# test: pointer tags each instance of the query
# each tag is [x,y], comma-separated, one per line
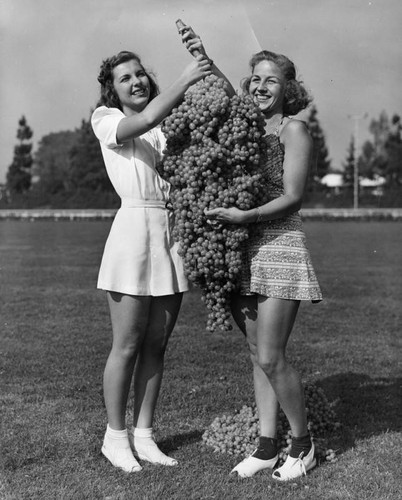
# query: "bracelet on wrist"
[259,215]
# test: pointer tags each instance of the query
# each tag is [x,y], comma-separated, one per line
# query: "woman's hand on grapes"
[226,215]
[199,68]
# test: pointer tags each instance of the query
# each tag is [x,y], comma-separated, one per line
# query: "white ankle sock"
[116,448]
[146,448]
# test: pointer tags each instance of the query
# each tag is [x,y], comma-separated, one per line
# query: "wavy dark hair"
[108,95]
[296,97]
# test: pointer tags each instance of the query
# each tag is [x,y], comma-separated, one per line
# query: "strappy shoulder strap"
[282,124]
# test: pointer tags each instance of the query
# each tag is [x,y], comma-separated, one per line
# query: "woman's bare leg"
[163,314]
[276,318]
[129,316]
[244,311]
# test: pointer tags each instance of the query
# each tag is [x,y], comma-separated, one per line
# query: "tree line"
[381,156]
[67,170]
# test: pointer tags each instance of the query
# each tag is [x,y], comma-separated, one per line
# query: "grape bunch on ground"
[237,434]
[215,148]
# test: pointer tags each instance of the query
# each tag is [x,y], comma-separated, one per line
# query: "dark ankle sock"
[267,448]
[299,445]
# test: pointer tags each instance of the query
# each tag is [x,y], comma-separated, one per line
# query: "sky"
[348,54]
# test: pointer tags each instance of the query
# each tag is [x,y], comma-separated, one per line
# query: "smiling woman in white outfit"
[140,258]
[140,270]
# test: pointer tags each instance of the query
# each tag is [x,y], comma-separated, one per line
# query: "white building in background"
[376,185]
[334,181]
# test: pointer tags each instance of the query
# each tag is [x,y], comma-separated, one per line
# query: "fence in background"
[393,214]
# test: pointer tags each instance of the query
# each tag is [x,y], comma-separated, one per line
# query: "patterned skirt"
[277,263]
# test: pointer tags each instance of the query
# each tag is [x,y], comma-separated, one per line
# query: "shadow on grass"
[173,443]
[364,406]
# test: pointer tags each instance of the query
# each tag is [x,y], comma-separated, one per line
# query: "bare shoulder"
[294,129]
[294,126]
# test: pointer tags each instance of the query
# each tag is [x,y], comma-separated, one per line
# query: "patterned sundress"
[277,262]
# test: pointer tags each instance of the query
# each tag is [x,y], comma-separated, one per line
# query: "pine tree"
[52,162]
[383,154]
[370,164]
[349,164]
[393,149]
[87,170]
[320,163]
[19,175]
[380,130]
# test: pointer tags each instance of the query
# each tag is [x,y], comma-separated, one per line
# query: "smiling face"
[132,86]
[267,88]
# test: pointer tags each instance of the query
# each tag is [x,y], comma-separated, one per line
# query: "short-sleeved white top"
[143,153]
[140,257]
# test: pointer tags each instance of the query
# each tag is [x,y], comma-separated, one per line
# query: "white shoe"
[296,467]
[251,465]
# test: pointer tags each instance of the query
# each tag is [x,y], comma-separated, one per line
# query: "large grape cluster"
[212,159]
[237,434]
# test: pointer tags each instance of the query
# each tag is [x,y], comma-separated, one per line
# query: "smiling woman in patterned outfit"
[277,272]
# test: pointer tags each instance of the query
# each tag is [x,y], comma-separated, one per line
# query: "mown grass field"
[55,337]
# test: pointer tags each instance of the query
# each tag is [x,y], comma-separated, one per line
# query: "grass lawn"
[55,337]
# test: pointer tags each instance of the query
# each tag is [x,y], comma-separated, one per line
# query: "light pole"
[356,119]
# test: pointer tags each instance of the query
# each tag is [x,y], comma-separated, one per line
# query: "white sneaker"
[296,467]
[251,465]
